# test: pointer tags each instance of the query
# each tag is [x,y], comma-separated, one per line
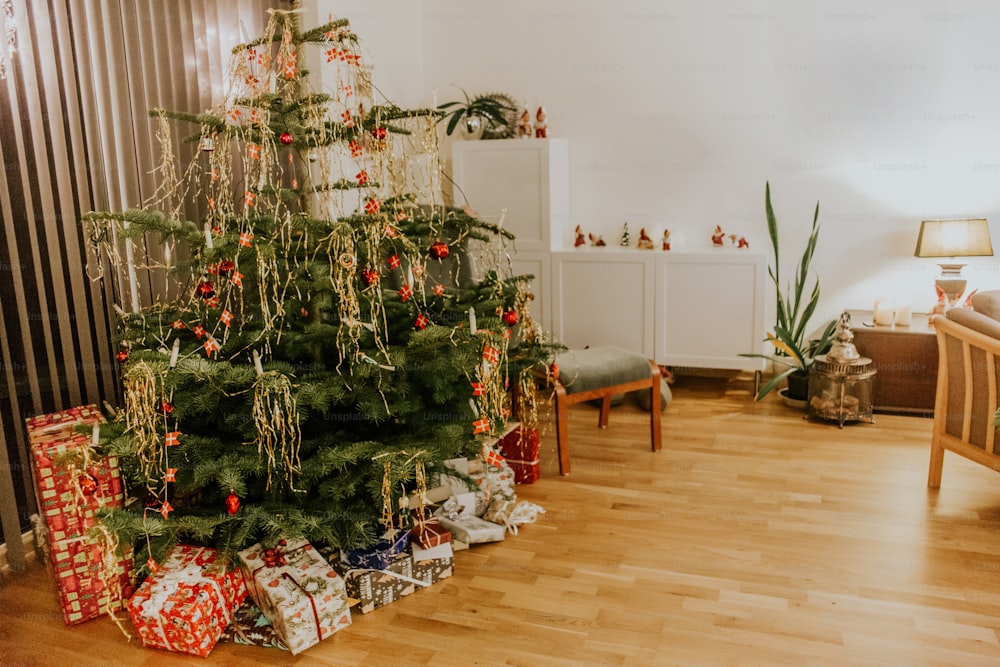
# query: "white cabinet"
[528,177]
[710,308]
[684,308]
[604,296]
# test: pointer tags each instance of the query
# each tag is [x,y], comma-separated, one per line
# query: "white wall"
[886,112]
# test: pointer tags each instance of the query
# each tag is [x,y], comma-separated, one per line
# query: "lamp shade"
[954,238]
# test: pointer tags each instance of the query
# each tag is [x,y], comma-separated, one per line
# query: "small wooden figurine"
[718,236]
[645,243]
[666,239]
[541,127]
[524,129]
[596,241]
[580,240]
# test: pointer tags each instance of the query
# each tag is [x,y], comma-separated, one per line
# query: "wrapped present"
[427,530]
[71,484]
[86,589]
[297,589]
[377,556]
[520,448]
[433,565]
[252,627]
[188,602]
[458,517]
[376,588]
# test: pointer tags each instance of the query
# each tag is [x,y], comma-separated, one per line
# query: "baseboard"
[28,540]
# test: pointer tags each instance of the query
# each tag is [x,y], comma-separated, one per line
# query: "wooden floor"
[753,538]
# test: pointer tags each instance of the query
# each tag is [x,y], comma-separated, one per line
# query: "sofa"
[966,397]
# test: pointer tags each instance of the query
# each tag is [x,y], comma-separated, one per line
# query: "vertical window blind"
[75,136]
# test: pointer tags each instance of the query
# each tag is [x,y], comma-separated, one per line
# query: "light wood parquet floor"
[753,538]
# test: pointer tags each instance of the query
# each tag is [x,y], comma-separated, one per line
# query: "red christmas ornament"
[88,484]
[379,133]
[232,503]
[205,290]
[554,370]
[369,276]
[122,356]
[286,138]
[510,317]
[421,322]
[439,250]
[168,408]
[151,503]
[225,267]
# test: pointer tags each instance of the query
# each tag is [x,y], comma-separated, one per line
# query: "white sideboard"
[686,308]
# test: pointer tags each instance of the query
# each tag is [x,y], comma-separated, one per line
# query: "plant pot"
[472,127]
[798,404]
[798,386]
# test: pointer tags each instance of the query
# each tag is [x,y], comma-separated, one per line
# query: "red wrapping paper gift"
[187,604]
[520,448]
[71,484]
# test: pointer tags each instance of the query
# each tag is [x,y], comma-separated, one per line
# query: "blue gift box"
[379,556]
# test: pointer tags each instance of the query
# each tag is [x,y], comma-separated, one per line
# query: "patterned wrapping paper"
[187,604]
[377,588]
[76,565]
[71,484]
[433,565]
[378,556]
[252,627]
[428,531]
[297,589]
[520,448]
[458,516]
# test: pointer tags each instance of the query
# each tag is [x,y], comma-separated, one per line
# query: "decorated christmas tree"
[327,332]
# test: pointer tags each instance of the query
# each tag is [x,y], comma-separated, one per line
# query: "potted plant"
[475,114]
[792,350]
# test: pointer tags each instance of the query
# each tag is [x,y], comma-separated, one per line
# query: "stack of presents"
[291,595]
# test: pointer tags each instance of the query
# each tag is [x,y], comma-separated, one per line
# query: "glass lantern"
[840,381]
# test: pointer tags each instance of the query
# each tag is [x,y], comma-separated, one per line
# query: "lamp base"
[950,287]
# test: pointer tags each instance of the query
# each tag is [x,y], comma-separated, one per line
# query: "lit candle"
[208,236]
[472,320]
[257,364]
[175,352]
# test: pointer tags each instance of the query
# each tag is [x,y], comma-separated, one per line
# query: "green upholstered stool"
[600,373]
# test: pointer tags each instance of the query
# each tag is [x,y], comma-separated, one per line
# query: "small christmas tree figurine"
[313,343]
[626,238]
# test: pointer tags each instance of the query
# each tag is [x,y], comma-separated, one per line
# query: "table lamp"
[951,239]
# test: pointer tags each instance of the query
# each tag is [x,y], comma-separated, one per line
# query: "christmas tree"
[322,339]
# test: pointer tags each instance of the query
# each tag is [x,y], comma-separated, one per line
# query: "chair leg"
[602,418]
[654,409]
[936,465]
[562,429]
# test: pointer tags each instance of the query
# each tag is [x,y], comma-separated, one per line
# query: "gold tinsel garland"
[143,394]
[276,417]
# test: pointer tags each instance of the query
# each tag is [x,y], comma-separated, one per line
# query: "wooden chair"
[967,395]
[600,373]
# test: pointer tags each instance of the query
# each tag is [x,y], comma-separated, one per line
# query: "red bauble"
[369,276]
[88,484]
[205,290]
[151,503]
[232,503]
[167,408]
[379,133]
[225,267]
[439,250]
[286,138]
[510,317]
[122,356]
[554,370]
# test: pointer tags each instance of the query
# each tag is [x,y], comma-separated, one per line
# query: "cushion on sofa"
[987,303]
[976,320]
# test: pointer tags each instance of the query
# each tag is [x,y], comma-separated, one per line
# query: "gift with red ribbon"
[71,484]
[188,602]
[521,449]
[297,589]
